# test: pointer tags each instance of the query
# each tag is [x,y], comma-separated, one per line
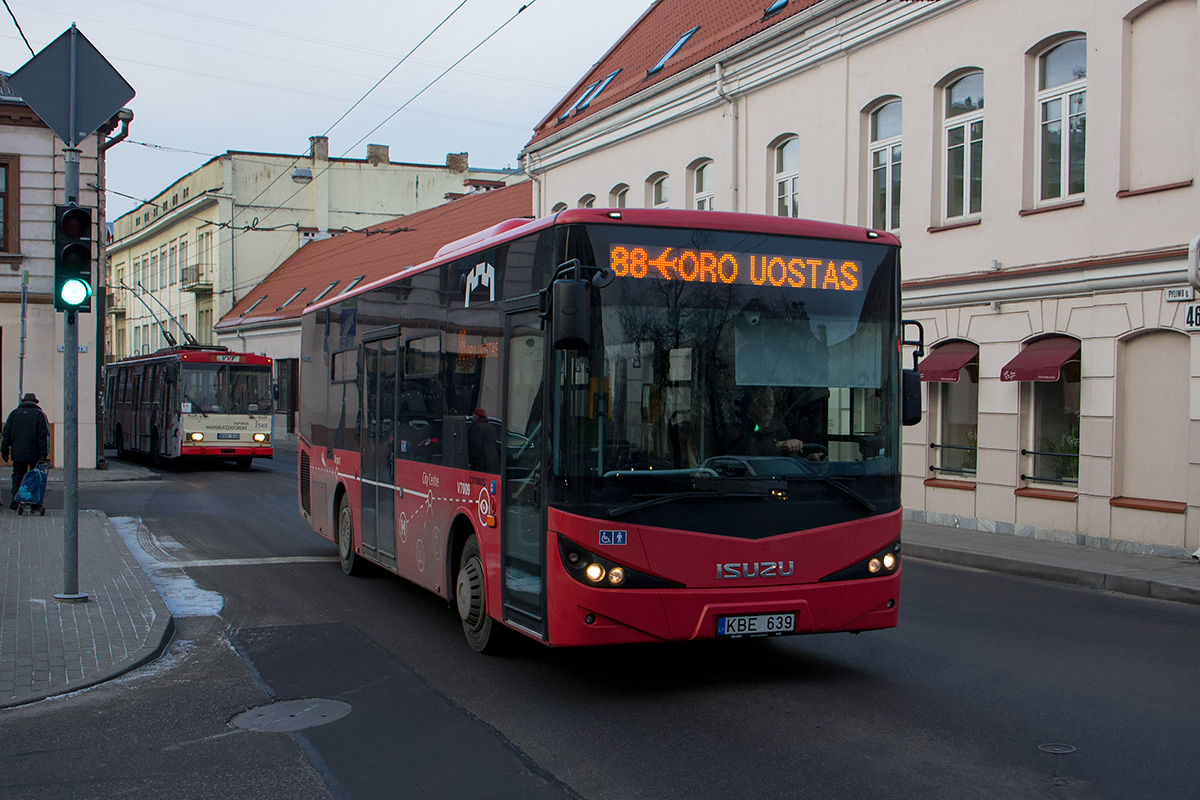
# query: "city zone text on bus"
[193,401]
[621,426]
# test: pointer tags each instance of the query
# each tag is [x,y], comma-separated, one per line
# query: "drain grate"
[291,715]
[1056,749]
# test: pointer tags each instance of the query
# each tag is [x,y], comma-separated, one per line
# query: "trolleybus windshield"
[210,388]
[730,376]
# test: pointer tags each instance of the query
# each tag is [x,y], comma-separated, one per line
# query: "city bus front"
[226,408]
[722,451]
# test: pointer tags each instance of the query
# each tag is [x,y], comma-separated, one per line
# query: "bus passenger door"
[378,464]
[523,525]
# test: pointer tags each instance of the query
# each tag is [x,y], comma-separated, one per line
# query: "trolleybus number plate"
[756,625]
[227,435]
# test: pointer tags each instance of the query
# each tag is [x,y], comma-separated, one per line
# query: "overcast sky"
[264,75]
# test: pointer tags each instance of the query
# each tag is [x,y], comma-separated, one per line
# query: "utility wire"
[14,19]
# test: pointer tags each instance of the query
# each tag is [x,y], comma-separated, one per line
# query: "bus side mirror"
[572,310]
[910,397]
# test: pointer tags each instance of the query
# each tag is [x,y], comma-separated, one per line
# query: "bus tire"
[351,563]
[470,594]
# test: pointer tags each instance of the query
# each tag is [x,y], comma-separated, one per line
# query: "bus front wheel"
[470,596]
[351,563]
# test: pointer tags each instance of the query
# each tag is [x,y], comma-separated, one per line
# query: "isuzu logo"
[759,569]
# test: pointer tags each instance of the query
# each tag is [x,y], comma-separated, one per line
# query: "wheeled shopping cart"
[33,490]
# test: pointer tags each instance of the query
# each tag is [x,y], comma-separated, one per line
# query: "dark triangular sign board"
[46,81]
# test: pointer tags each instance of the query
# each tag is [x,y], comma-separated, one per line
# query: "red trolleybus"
[190,401]
[620,426]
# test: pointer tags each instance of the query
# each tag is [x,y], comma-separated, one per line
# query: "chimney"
[457,162]
[377,154]
[319,148]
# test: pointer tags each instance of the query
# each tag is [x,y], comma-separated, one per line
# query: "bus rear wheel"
[471,597]
[351,563]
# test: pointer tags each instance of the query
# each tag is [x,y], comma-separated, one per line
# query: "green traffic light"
[75,292]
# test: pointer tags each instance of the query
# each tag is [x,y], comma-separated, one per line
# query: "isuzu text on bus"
[621,426]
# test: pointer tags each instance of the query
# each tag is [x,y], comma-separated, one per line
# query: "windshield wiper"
[195,405]
[617,511]
[839,487]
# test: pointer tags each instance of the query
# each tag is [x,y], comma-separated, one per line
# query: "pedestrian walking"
[26,438]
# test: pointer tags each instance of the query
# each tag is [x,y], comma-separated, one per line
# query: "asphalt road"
[983,672]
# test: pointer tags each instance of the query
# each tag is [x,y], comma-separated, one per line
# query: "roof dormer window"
[290,299]
[324,292]
[774,7]
[674,49]
[587,99]
[587,93]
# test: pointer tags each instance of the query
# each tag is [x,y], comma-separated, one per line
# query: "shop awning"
[944,361]
[1041,360]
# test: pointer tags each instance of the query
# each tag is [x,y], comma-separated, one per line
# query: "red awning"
[944,361]
[1041,360]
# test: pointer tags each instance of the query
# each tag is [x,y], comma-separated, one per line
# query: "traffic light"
[72,258]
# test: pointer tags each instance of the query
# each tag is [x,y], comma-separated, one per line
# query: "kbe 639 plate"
[756,625]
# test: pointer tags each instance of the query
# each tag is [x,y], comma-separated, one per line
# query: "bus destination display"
[715,266]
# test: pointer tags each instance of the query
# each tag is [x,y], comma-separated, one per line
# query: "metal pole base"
[81,597]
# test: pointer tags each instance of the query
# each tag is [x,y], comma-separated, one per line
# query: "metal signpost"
[74,90]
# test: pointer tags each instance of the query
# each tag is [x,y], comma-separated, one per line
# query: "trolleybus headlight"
[594,572]
[196,437]
[883,563]
[616,576]
[261,437]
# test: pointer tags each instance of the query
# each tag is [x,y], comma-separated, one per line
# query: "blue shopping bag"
[33,486]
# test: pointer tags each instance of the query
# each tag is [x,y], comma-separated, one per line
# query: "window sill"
[1144,504]
[1028,212]
[942,483]
[1166,187]
[953,226]
[1047,494]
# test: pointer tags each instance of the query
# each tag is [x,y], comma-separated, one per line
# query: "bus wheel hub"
[469,593]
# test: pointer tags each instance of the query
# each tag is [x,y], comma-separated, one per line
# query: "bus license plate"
[756,625]
[227,436]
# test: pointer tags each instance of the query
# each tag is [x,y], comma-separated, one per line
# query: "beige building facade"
[1045,231]
[212,236]
[32,183]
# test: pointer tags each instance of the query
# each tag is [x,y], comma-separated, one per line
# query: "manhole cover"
[1056,749]
[291,715]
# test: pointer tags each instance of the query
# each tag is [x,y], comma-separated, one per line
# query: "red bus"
[620,426]
[190,400]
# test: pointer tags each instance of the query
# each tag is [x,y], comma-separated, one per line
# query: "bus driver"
[764,433]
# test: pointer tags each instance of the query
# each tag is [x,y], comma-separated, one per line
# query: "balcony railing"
[114,301]
[195,278]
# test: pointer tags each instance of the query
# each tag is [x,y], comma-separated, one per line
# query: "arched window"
[952,369]
[658,190]
[1049,370]
[1061,109]
[964,146]
[885,166]
[587,201]
[557,207]
[619,196]
[787,177]
[702,185]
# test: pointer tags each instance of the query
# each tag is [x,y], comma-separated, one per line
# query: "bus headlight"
[882,564]
[262,437]
[196,437]
[594,572]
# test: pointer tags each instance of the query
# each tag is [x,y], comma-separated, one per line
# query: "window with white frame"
[153,271]
[173,264]
[787,177]
[964,147]
[885,166]
[658,190]
[619,196]
[1061,108]
[702,186]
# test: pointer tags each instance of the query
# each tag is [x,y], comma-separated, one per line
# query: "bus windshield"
[225,389]
[730,373]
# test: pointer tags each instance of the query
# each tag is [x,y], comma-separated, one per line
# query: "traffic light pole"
[70,592]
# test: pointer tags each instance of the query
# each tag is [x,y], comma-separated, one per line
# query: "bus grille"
[305,498]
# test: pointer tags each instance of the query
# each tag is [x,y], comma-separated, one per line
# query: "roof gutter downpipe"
[732,114]
[531,173]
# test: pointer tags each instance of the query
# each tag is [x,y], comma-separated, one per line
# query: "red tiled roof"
[722,24]
[375,253]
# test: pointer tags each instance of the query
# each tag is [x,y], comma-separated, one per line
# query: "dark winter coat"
[26,434]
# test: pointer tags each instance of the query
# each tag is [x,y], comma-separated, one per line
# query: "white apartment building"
[1045,231]
[212,236]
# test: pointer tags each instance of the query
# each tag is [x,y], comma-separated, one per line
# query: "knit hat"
[29,397]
